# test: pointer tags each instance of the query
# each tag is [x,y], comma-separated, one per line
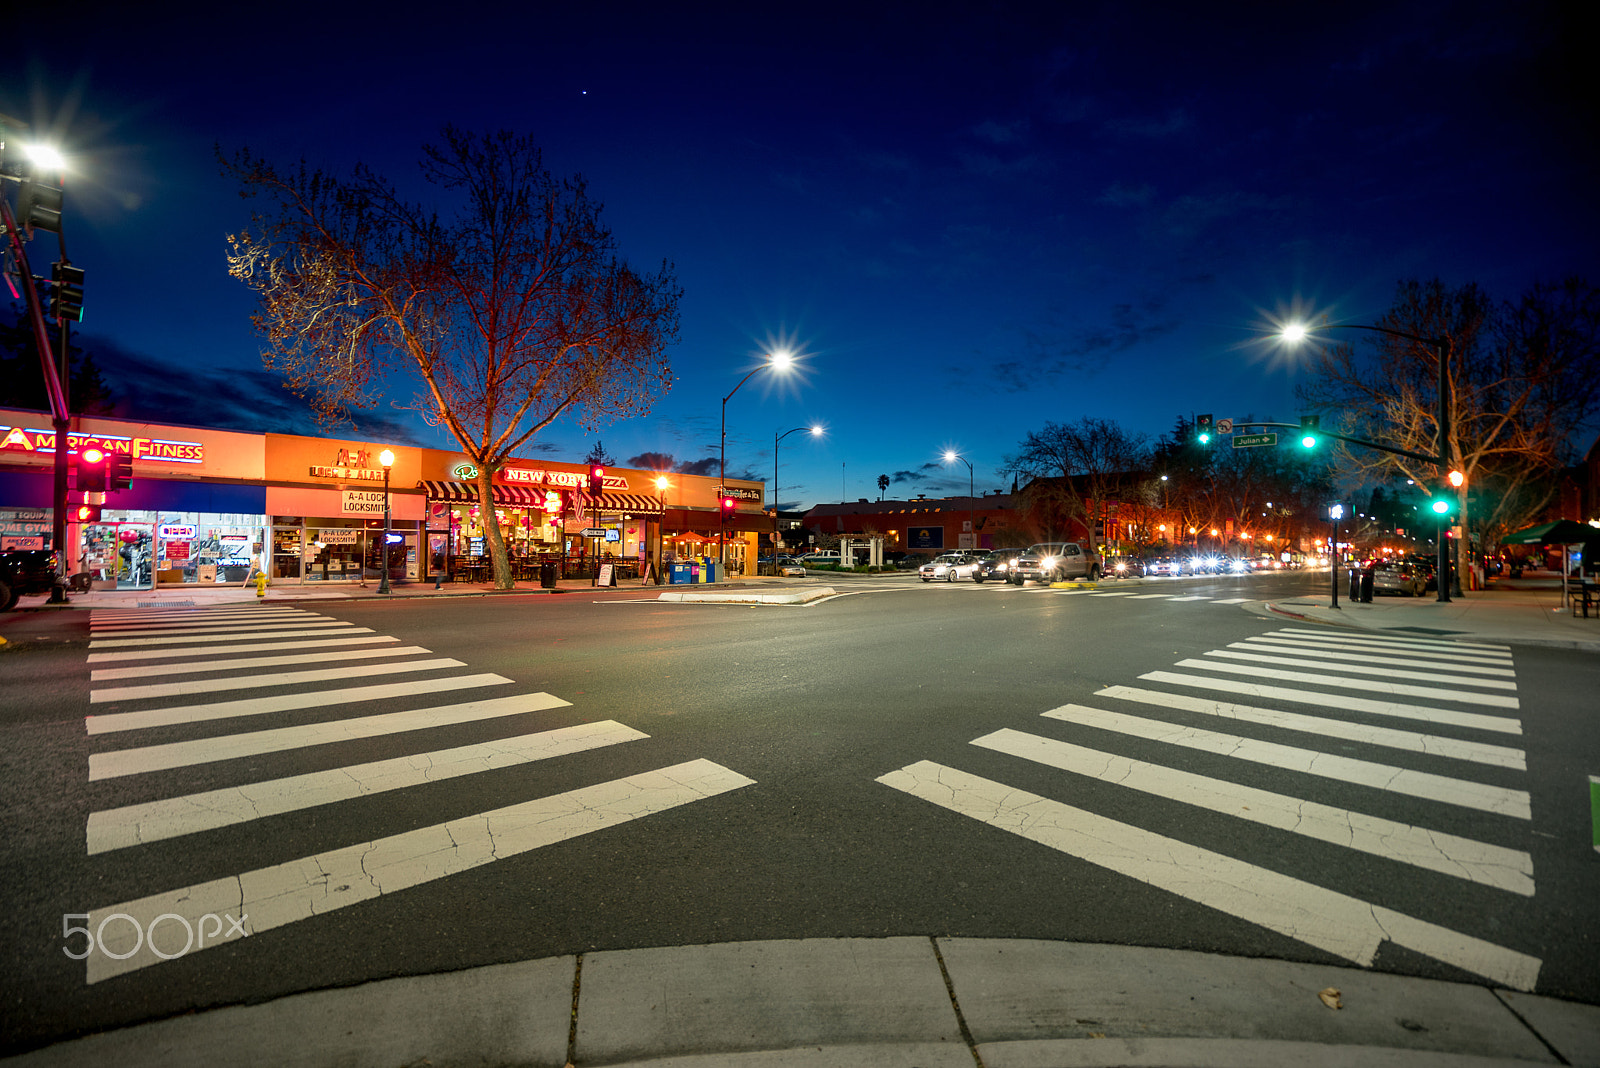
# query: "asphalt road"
[903,759]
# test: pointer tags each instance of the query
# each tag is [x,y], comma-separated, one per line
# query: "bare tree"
[1524,377]
[504,316]
[1074,465]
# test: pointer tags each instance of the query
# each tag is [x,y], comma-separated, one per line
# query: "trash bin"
[1366,586]
[547,576]
[1355,585]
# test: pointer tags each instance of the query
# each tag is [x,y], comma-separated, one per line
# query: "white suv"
[1052,561]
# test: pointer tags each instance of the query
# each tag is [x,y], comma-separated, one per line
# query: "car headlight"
[1122,567]
[1048,561]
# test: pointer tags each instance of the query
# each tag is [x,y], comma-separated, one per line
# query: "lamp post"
[950,456]
[662,485]
[778,361]
[1335,514]
[1441,347]
[816,431]
[386,458]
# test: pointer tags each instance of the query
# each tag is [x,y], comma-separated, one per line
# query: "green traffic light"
[1441,507]
[1205,439]
[1309,441]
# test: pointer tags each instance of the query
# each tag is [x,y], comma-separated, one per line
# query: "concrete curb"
[739,597]
[903,1001]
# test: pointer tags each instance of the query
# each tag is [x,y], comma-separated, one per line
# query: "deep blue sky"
[970,219]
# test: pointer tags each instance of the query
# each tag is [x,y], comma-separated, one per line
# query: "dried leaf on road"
[1330,997]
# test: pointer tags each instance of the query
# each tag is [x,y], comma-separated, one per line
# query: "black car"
[996,564]
[25,571]
[1125,567]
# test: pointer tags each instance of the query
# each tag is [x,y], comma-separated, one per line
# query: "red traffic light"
[88,471]
[597,480]
[727,504]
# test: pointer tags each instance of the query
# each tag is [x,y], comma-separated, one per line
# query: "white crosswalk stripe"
[179,653]
[1470,771]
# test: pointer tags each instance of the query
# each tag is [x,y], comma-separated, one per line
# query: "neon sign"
[24,439]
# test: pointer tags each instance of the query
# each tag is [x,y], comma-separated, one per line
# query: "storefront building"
[210,506]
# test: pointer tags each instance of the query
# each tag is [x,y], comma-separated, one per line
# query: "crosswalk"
[1337,714]
[1135,594]
[162,683]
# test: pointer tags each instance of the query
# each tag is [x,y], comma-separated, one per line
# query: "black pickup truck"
[25,571]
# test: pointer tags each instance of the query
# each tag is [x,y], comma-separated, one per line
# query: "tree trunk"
[491,529]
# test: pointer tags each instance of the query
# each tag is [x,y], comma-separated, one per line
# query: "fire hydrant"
[261,585]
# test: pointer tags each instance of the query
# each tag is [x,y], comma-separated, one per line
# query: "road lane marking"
[1594,808]
[1113,593]
[1359,658]
[1192,597]
[1234,600]
[1479,862]
[254,706]
[1410,741]
[152,671]
[1148,596]
[1443,644]
[222,650]
[171,817]
[299,889]
[1368,685]
[335,630]
[209,628]
[1444,659]
[1426,713]
[185,687]
[195,616]
[1359,669]
[1370,774]
[119,762]
[1344,926]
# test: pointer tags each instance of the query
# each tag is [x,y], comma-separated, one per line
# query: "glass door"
[286,553]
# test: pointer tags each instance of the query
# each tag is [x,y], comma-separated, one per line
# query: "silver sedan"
[949,567]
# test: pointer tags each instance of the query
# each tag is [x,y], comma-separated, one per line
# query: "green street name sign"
[1248,441]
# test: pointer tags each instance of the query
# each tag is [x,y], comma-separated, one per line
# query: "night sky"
[967,219]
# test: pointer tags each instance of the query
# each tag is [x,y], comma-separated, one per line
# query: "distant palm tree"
[883,484]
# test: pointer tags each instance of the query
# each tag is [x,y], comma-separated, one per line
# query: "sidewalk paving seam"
[955,1003]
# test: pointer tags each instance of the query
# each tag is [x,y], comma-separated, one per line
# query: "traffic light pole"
[55,388]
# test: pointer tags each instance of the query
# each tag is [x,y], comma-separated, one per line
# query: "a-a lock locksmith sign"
[361,502]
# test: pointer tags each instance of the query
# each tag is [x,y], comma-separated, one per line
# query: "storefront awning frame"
[467,493]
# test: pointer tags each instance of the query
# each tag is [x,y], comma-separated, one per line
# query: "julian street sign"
[1246,441]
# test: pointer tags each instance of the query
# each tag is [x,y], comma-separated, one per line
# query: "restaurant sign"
[23,439]
[534,476]
[740,493]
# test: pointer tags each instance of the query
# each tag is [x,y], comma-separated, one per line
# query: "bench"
[1584,595]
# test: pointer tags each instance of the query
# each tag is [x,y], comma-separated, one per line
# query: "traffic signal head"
[119,474]
[1202,428]
[1308,430]
[86,513]
[597,480]
[66,292]
[89,470]
[728,505]
[39,206]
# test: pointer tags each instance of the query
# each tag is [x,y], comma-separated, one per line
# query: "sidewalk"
[1527,611]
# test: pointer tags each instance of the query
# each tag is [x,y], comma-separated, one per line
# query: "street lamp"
[386,458]
[1441,345]
[777,361]
[951,456]
[816,432]
[1335,514]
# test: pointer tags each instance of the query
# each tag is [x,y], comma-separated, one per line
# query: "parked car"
[1125,567]
[24,571]
[820,560]
[1164,565]
[791,569]
[996,564]
[949,567]
[1400,578]
[1053,561]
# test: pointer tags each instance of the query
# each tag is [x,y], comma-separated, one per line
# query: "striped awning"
[467,492]
[629,503]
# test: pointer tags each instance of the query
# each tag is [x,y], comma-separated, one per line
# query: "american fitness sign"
[23,439]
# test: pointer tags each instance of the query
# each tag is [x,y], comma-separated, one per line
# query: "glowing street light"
[776,361]
[816,432]
[386,458]
[950,457]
